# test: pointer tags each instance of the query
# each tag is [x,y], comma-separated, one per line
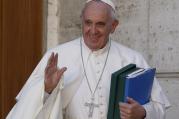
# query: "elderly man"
[72,81]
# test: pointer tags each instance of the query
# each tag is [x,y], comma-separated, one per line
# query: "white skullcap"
[109,2]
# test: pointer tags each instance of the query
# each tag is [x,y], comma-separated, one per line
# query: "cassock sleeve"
[156,108]
[30,98]
[158,104]
[52,108]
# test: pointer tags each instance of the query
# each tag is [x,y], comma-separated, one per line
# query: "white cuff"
[148,110]
[46,95]
[154,110]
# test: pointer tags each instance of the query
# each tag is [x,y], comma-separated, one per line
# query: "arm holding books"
[133,110]
[155,109]
[137,96]
[151,110]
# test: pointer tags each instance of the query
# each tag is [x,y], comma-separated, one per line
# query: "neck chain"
[93,92]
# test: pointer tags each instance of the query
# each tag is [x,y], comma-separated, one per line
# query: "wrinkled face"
[97,24]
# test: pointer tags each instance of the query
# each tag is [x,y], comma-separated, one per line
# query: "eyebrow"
[101,23]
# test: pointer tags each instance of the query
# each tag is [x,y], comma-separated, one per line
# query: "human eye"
[88,22]
[101,24]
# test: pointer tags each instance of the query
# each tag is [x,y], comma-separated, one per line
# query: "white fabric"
[109,2]
[52,108]
[69,99]
[94,62]
[46,95]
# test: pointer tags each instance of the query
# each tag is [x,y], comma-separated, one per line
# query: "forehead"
[96,10]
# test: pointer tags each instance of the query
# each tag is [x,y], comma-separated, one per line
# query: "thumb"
[61,71]
[130,100]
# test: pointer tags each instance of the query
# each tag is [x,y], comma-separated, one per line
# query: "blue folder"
[130,81]
[138,86]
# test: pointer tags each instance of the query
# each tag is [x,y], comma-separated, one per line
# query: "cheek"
[85,28]
[105,32]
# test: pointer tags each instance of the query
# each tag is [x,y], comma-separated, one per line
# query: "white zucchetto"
[109,2]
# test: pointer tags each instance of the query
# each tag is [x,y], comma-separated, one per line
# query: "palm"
[52,73]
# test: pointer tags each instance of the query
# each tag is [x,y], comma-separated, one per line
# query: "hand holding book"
[131,110]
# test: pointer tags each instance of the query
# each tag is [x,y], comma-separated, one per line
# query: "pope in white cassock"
[72,81]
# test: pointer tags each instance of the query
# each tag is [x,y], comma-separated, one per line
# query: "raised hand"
[131,110]
[52,73]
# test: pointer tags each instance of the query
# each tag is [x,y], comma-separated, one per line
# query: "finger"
[125,108]
[60,72]
[47,68]
[50,68]
[53,60]
[51,65]
[125,111]
[50,59]
[130,100]
[56,60]
[124,105]
[123,115]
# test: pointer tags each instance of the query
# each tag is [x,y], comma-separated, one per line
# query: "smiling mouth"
[95,38]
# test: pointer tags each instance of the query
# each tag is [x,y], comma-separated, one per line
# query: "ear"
[114,25]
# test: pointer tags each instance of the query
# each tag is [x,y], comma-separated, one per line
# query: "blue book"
[130,81]
[138,85]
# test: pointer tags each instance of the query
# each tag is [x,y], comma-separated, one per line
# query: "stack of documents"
[130,81]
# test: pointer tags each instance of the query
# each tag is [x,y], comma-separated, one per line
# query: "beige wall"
[148,26]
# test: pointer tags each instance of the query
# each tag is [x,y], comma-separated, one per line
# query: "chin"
[93,43]
[94,47]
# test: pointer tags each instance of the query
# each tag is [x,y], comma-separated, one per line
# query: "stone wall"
[148,26]
[53,20]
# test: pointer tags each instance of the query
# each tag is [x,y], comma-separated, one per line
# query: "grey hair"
[112,11]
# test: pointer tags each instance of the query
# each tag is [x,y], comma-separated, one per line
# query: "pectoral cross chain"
[91,106]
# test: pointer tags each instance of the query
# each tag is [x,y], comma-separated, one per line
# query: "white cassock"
[68,99]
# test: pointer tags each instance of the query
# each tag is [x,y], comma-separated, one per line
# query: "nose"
[94,29]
